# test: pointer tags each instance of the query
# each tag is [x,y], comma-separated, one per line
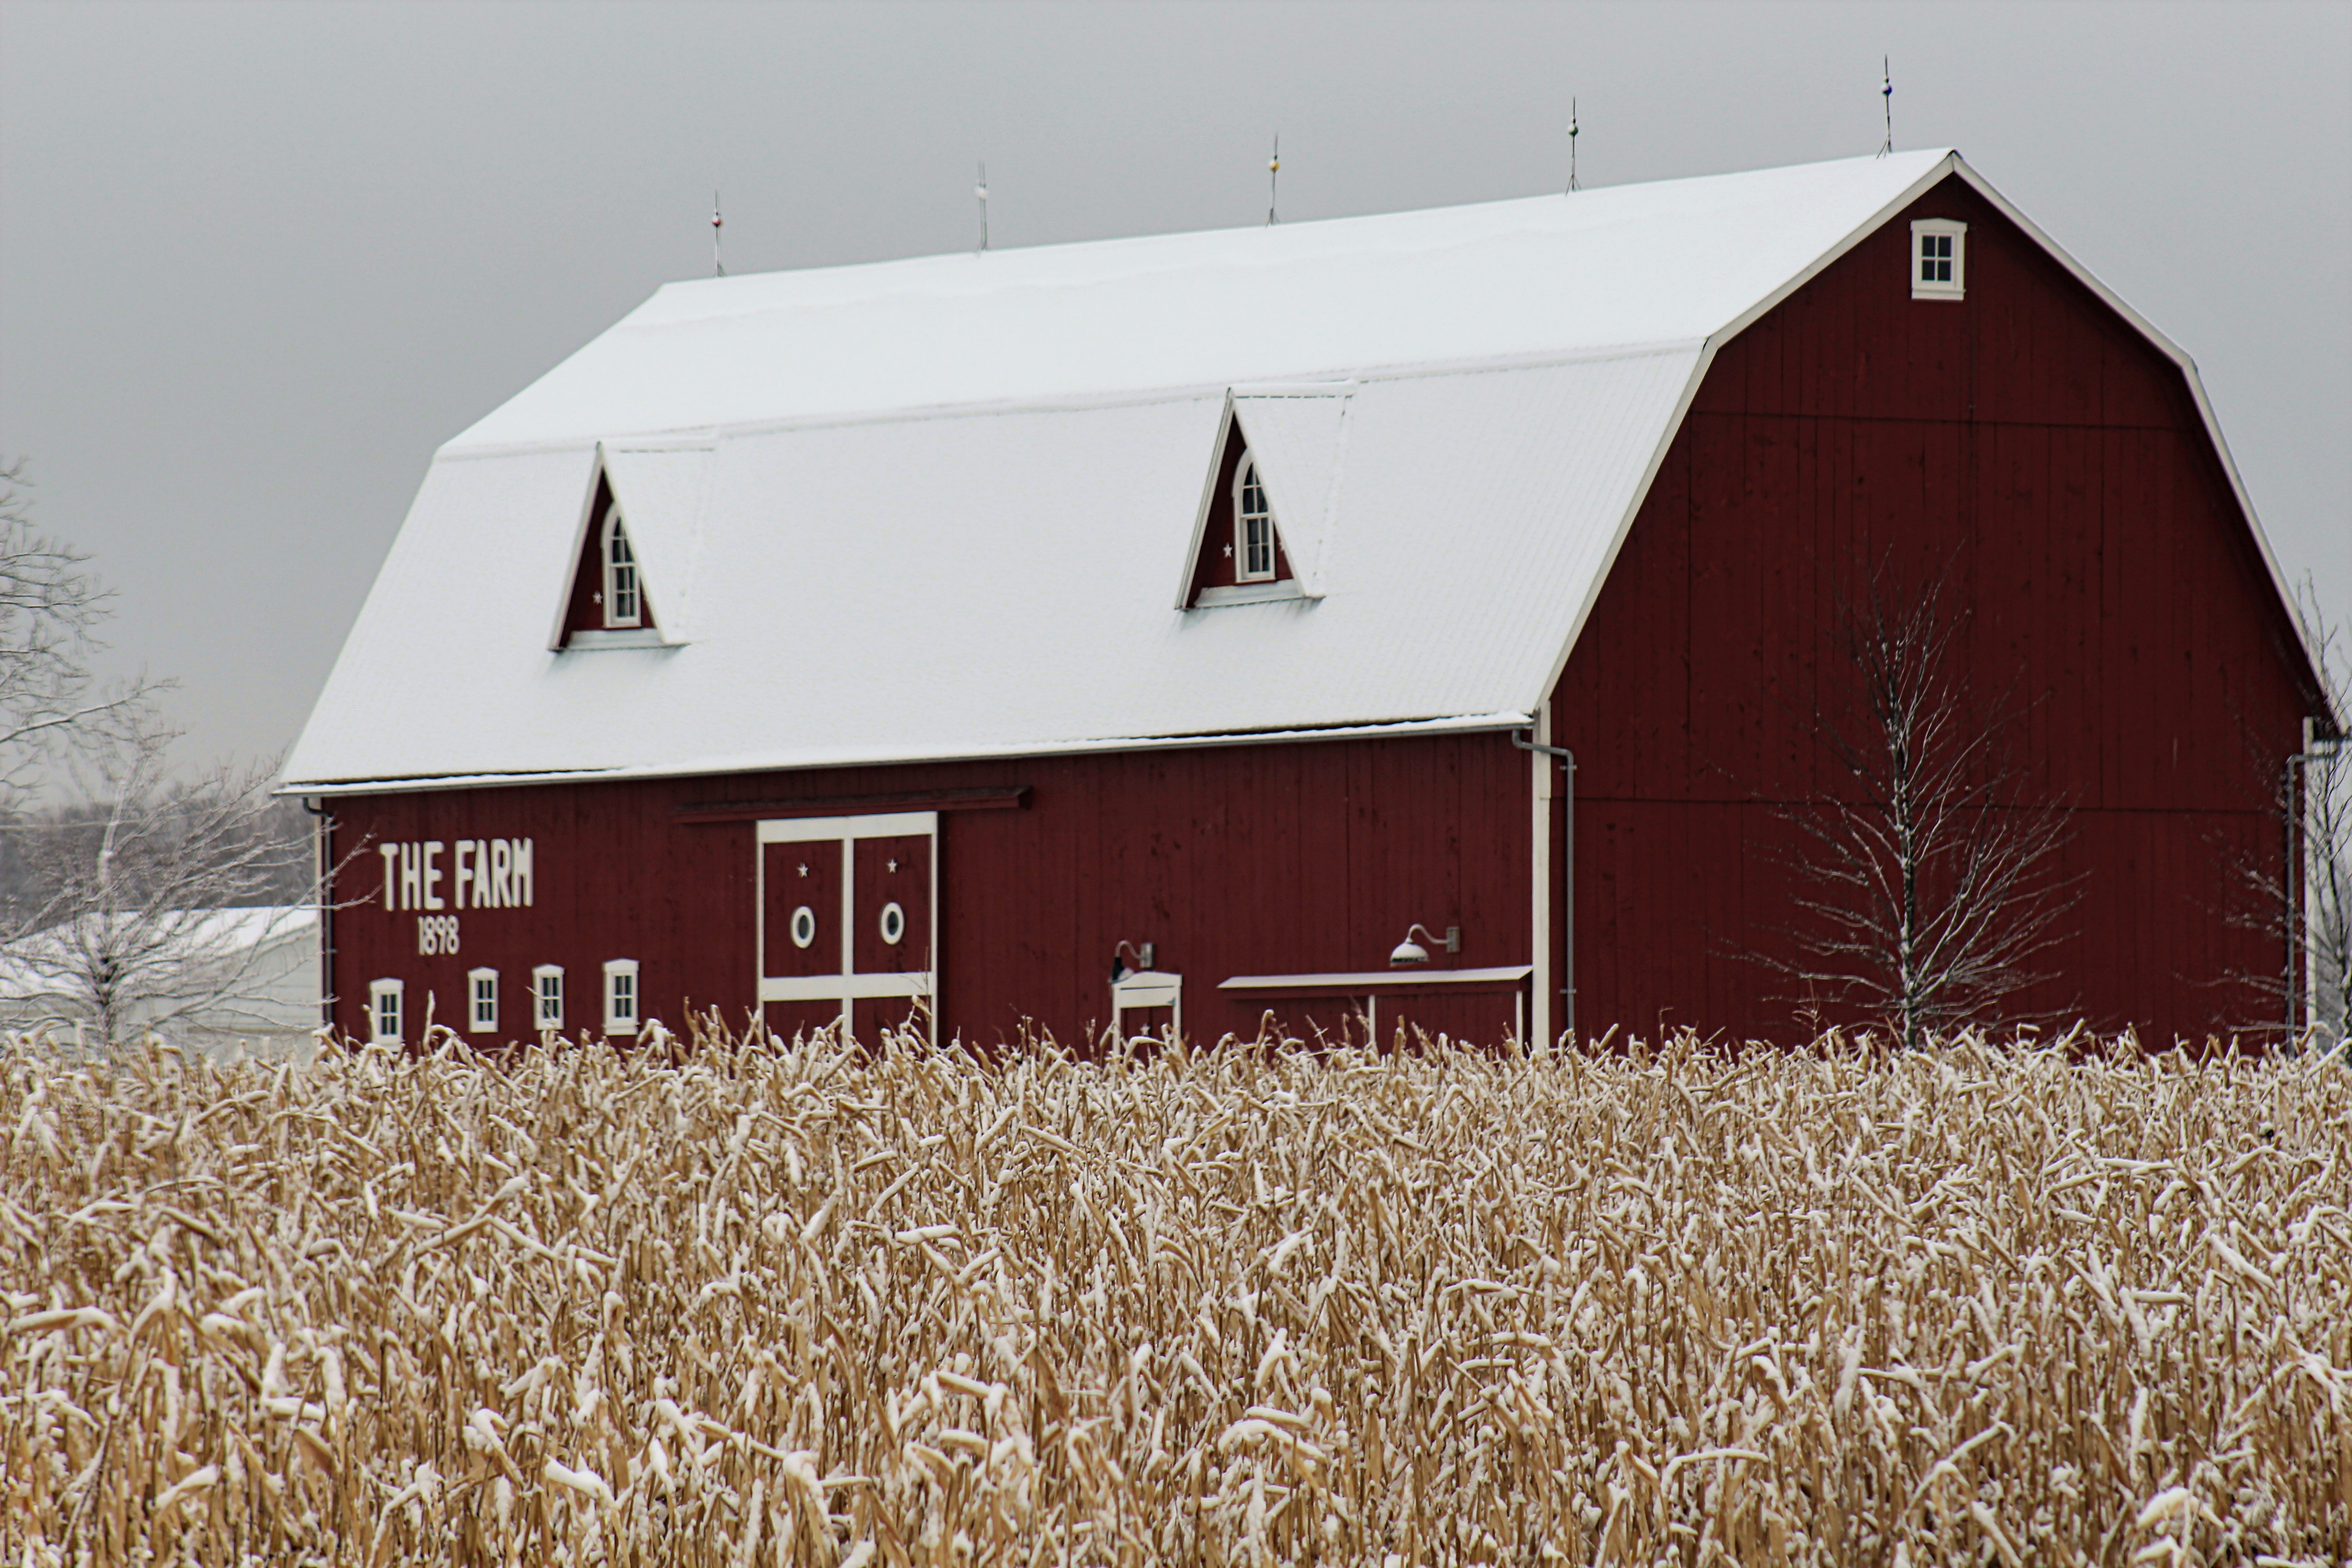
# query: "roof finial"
[1571,144]
[1887,91]
[980,190]
[1273,178]
[718,265]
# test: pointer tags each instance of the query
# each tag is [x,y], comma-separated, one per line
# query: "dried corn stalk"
[819,1305]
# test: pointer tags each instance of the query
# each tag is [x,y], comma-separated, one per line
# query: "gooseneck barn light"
[1409,951]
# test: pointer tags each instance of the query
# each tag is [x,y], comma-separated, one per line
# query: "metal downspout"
[1524,739]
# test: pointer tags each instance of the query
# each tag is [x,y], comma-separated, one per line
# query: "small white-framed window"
[1939,258]
[624,601]
[547,997]
[620,995]
[482,1001]
[386,1011]
[1252,526]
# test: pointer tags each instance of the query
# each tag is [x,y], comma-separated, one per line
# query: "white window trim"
[541,1018]
[627,637]
[1242,573]
[1250,594]
[615,524]
[1958,234]
[378,991]
[614,1024]
[476,1023]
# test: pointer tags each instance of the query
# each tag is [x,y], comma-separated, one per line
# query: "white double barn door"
[847,925]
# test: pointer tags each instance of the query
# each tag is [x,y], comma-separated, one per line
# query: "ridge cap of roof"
[926,265]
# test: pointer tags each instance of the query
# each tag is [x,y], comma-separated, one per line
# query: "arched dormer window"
[1252,526]
[1238,554]
[624,604]
[609,600]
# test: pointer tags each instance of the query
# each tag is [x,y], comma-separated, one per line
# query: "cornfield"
[826,1305]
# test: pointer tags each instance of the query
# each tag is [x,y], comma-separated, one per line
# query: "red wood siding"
[2029,443]
[1235,860]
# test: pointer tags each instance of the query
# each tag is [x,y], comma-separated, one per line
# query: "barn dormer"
[1240,559]
[608,604]
[1265,511]
[636,531]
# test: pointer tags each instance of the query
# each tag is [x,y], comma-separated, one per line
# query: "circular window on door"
[804,926]
[894,923]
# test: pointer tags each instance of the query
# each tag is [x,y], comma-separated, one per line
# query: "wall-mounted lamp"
[1409,951]
[1125,950]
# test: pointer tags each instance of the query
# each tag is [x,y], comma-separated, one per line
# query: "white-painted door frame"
[847,986]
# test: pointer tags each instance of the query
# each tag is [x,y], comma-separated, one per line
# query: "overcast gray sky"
[256,261]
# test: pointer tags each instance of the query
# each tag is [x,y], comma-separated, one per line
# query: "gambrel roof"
[936,508]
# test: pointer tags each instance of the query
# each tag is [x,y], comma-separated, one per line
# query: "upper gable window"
[1252,526]
[624,604]
[1938,259]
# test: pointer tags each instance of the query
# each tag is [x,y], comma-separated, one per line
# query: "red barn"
[953,632]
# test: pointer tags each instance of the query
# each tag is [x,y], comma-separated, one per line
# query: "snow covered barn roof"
[943,507]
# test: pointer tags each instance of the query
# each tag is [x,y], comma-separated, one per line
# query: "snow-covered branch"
[51,606]
[1929,882]
[158,904]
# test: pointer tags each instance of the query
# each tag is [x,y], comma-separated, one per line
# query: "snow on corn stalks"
[822,1306]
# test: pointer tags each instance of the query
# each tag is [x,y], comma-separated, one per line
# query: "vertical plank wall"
[2027,445]
[1270,859]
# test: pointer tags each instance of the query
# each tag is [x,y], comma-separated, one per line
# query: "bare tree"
[160,905]
[2301,900]
[1928,879]
[50,608]
[150,902]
